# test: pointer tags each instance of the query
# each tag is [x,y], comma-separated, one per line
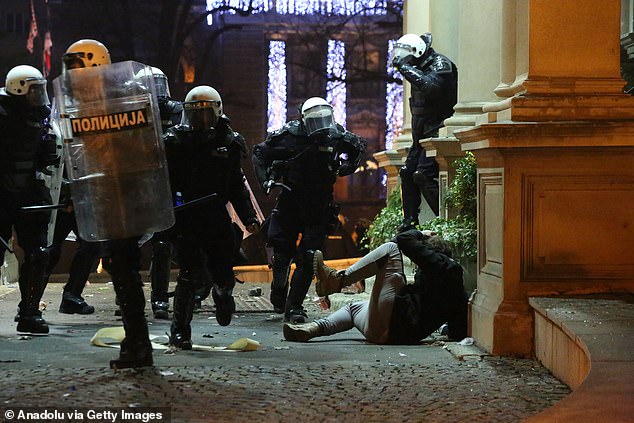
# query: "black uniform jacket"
[202,163]
[307,166]
[436,295]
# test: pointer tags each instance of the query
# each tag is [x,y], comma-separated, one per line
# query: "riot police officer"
[306,155]
[160,267]
[24,105]
[80,54]
[434,80]
[127,167]
[203,155]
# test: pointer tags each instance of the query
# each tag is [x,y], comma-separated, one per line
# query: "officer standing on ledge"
[306,155]
[434,80]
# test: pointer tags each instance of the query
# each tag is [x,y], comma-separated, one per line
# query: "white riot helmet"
[409,45]
[86,53]
[25,80]
[317,115]
[161,83]
[202,108]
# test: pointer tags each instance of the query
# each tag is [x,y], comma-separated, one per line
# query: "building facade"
[541,104]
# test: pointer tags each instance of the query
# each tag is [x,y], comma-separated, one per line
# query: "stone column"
[555,174]
[478,61]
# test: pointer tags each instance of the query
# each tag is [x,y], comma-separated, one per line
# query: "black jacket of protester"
[436,297]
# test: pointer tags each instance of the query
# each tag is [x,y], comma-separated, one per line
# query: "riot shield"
[53,179]
[115,158]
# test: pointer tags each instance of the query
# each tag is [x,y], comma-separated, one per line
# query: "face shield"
[401,51]
[36,96]
[74,60]
[201,115]
[162,87]
[318,119]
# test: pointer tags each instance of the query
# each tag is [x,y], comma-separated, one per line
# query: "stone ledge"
[588,343]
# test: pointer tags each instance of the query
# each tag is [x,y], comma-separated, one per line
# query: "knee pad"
[40,256]
[305,259]
[162,248]
[419,178]
[405,173]
[187,278]
[281,259]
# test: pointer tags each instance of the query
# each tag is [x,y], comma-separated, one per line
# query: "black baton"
[5,244]
[195,202]
[36,209]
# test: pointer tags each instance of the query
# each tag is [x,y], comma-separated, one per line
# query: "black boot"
[204,283]
[74,304]
[32,324]
[136,349]
[134,353]
[84,262]
[300,284]
[225,304]
[180,331]
[279,285]
[32,282]
[411,199]
[160,274]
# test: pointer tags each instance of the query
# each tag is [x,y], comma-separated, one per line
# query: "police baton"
[5,244]
[36,209]
[195,202]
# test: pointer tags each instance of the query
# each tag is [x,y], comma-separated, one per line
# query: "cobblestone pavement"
[339,378]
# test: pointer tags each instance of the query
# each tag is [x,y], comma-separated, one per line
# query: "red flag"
[32,31]
[46,57]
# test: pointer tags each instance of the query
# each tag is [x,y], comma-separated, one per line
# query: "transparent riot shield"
[115,159]
[53,178]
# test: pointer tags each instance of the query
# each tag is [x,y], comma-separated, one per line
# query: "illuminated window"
[393,103]
[277,85]
[336,85]
[303,7]
[331,7]
[257,5]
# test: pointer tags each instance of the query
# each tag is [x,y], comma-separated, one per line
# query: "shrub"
[460,231]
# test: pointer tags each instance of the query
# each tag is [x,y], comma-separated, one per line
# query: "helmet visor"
[318,119]
[37,96]
[401,51]
[201,115]
[162,88]
[74,60]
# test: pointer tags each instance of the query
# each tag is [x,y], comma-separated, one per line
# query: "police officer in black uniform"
[203,155]
[123,252]
[81,54]
[307,155]
[171,111]
[24,105]
[434,80]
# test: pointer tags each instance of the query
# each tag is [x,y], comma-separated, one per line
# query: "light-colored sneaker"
[302,332]
[329,281]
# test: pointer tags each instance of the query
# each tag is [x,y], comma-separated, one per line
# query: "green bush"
[460,231]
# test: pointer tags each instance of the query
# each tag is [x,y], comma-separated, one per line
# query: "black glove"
[47,155]
[267,185]
[398,62]
[278,166]
[346,169]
